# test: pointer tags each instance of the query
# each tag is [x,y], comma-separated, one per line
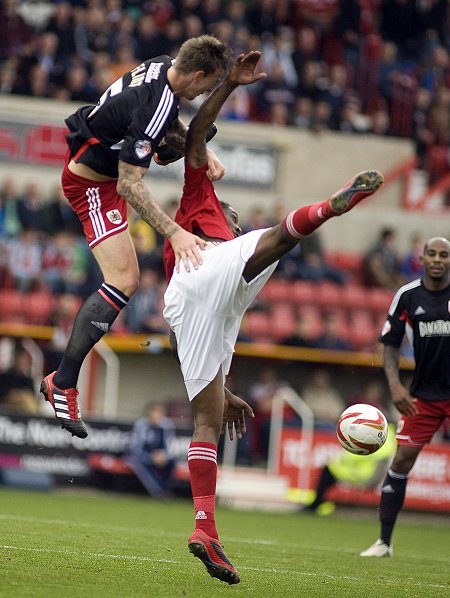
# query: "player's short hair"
[204,53]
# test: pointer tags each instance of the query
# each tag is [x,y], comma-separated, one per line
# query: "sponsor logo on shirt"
[153,71]
[114,216]
[142,148]
[434,328]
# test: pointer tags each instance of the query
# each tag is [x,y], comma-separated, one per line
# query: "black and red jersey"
[424,316]
[128,122]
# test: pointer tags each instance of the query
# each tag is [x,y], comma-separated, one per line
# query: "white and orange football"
[362,429]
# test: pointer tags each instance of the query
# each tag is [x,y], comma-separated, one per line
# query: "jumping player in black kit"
[111,146]
[421,309]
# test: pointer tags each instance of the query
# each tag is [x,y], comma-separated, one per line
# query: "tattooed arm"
[132,188]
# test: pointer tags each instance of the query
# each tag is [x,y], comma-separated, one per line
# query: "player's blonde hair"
[204,53]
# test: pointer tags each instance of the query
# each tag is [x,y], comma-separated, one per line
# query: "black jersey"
[128,122]
[424,316]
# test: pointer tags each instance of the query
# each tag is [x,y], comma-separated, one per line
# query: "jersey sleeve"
[148,126]
[394,327]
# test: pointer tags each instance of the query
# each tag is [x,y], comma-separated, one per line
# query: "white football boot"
[378,549]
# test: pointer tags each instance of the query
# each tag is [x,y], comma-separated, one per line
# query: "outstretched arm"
[132,188]
[241,73]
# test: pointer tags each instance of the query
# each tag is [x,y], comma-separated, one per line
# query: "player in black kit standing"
[421,309]
[111,146]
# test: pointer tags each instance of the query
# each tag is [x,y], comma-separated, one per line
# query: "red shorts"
[419,429]
[101,210]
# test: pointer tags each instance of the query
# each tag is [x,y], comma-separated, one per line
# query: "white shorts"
[204,308]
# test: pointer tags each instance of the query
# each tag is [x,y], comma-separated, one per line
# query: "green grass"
[84,545]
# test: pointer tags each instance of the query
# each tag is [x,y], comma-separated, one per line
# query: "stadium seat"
[282,321]
[328,295]
[363,332]
[275,290]
[350,263]
[12,306]
[39,307]
[354,296]
[258,325]
[302,292]
[379,300]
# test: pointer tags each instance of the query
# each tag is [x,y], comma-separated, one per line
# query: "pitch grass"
[66,545]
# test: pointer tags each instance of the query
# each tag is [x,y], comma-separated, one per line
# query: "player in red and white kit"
[110,148]
[421,310]
[204,307]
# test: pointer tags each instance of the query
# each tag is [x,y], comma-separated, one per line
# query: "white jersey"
[204,308]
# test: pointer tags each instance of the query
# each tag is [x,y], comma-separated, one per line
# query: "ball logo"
[142,148]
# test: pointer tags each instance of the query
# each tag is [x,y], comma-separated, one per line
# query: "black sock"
[326,481]
[392,497]
[95,317]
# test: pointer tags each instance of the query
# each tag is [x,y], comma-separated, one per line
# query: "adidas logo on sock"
[102,325]
[388,489]
[320,213]
[201,515]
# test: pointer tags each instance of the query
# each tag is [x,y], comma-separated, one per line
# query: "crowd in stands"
[355,66]
[315,299]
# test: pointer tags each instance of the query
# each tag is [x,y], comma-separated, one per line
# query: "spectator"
[30,208]
[9,224]
[64,264]
[323,398]
[372,393]
[261,394]
[304,335]
[145,313]
[352,470]
[66,307]
[382,262]
[332,337]
[17,393]
[411,265]
[17,37]
[307,262]
[25,260]
[149,454]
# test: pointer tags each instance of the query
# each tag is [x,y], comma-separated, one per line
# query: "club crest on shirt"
[142,148]
[114,216]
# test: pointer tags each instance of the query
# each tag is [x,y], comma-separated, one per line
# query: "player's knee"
[126,282]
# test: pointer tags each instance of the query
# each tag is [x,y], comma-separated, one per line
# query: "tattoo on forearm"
[391,364]
[133,190]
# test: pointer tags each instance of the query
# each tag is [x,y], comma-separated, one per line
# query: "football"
[362,429]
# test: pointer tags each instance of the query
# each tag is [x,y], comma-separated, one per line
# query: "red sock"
[202,462]
[302,222]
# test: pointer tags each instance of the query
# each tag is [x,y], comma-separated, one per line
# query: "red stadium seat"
[282,321]
[258,325]
[39,307]
[354,296]
[379,300]
[275,290]
[12,306]
[303,292]
[363,332]
[328,295]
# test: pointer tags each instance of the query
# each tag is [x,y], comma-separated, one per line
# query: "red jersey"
[199,209]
